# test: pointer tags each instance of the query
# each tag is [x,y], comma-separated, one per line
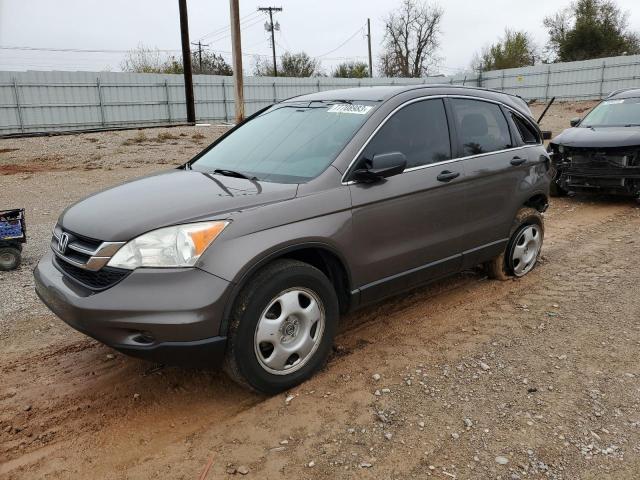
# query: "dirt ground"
[478,379]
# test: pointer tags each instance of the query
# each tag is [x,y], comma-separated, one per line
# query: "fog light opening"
[143,338]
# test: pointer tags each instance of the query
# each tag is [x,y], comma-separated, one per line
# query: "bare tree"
[411,40]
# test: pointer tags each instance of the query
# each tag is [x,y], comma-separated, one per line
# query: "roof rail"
[620,90]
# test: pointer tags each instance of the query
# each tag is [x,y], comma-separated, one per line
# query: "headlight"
[178,246]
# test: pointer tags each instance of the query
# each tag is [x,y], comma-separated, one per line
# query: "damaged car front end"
[614,170]
[601,153]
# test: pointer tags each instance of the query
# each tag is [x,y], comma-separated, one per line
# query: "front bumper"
[170,316]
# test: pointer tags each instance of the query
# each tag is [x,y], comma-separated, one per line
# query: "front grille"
[104,278]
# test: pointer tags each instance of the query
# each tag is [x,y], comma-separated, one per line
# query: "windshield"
[289,143]
[614,113]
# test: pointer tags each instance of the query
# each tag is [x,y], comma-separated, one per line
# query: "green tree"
[411,40]
[151,60]
[589,29]
[290,65]
[351,70]
[515,49]
[212,64]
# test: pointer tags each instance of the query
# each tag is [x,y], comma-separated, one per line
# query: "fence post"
[604,65]
[275,93]
[479,79]
[546,90]
[100,101]
[224,100]
[168,100]
[318,84]
[502,82]
[18,106]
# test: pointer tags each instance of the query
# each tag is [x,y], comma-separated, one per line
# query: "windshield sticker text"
[346,108]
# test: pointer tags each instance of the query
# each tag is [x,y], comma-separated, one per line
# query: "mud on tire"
[259,303]
[500,268]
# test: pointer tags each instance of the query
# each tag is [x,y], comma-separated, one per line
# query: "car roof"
[384,93]
[626,93]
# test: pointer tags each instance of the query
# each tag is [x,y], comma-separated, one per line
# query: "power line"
[225,28]
[77,50]
[228,34]
[360,30]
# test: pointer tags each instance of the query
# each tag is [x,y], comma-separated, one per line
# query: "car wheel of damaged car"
[282,327]
[523,249]
[555,190]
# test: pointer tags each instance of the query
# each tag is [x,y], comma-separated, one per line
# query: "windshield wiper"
[632,125]
[233,173]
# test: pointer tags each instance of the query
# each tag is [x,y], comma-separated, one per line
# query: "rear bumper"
[170,316]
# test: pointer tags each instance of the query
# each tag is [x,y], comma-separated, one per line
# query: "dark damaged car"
[601,152]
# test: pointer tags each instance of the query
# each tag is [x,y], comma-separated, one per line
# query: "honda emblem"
[63,242]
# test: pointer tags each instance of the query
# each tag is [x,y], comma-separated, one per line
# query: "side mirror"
[382,165]
[547,134]
[574,122]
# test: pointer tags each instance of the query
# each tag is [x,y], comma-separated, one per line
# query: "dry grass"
[198,136]
[139,138]
[164,136]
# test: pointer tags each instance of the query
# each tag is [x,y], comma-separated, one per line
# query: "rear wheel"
[9,258]
[523,249]
[282,327]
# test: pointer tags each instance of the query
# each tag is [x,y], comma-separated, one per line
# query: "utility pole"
[199,44]
[236,51]
[272,28]
[369,42]
[186,62]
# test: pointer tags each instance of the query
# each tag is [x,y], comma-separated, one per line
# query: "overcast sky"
[317,27]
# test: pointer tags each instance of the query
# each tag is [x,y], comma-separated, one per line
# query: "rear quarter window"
[528,133]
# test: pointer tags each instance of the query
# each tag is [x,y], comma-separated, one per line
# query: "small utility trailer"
[13,234]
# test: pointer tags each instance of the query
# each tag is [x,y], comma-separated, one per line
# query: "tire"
[9,258]
[270,351]
[504,266]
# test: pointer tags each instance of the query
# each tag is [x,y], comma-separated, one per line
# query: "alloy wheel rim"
[289,331]
[526,250]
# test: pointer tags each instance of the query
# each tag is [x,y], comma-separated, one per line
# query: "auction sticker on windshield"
[348,108]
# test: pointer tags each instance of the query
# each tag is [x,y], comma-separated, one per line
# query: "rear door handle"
[515,161]
[447,176]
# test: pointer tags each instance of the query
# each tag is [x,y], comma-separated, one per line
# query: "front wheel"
[10,258]
[523,249]
[282,327]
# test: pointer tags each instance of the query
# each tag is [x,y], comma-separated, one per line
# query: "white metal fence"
[34,101]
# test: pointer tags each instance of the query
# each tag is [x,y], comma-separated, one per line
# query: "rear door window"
[419,131]
[482,127]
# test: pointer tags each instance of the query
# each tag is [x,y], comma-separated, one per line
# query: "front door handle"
[515,161]
[447,176]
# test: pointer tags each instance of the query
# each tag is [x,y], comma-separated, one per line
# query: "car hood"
[179,196]
[599,137]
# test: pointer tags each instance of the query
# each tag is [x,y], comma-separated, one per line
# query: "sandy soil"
[536,378]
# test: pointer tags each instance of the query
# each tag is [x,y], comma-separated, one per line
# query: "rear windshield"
[290,142]
[620,112]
